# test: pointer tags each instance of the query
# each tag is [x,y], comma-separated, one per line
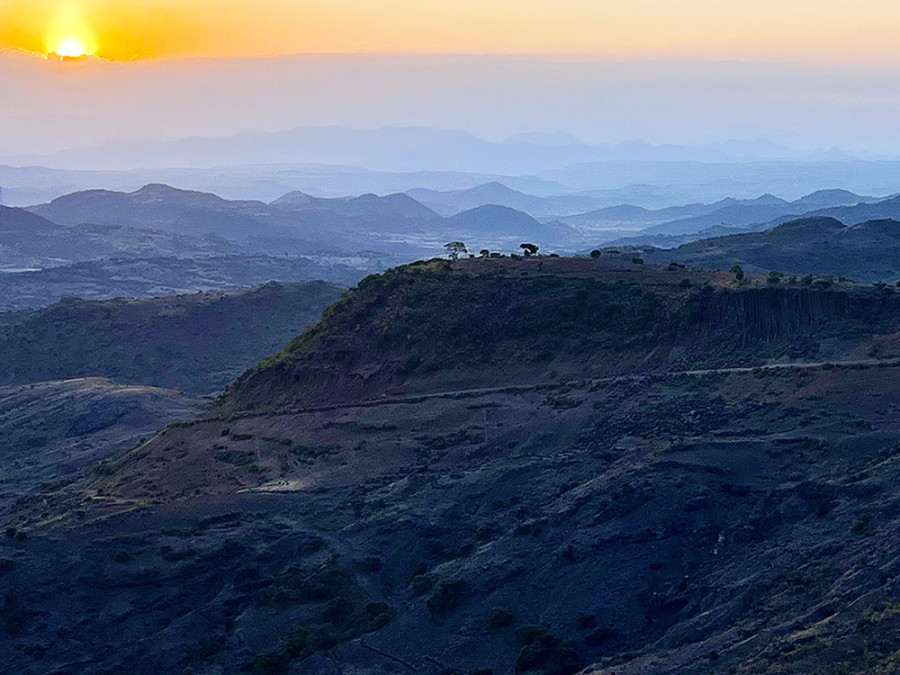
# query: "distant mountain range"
[301,223]
[867,251]
[410,149]
[454,201]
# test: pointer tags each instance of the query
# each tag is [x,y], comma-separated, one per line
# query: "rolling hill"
[197,343]
[869,251]
[298,222]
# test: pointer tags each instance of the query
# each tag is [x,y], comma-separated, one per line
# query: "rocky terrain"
[55,432]
[529,466]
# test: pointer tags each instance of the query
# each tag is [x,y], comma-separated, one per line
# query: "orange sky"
[826,30]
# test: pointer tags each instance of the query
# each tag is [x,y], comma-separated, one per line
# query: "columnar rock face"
[778,314]
[436,325]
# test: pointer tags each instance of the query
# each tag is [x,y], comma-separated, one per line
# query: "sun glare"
[71,47]
[70,36]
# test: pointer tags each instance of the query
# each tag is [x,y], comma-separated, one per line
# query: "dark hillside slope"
[868,251]
[667,520]
[14,220]
[157,277]
[197,343]
[435,326]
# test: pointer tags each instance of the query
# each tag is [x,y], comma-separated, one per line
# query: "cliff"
[436,326]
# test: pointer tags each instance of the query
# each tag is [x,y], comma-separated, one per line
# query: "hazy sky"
[801,73]
[821,30]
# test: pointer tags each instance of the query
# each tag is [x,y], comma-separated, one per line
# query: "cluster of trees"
[455,249]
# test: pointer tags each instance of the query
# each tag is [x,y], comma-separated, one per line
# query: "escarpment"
[434,327]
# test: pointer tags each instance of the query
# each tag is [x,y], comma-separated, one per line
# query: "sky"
[821,30]
[800,73]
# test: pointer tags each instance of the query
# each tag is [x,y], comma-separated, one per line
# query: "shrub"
[379,614]
[501,618]
[370,564]
[421,584]
[600,636]
[275,663]
[446,597]
[585,621]
[544,652]
[337,610]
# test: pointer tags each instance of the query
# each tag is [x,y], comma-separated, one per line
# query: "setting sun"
[69,35]
[71,47]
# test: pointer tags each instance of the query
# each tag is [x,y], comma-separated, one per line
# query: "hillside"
[18,221]
[197,343]
[425,327]
[56,246]
[532,468]
[162,276]
[868,251]
[56,432]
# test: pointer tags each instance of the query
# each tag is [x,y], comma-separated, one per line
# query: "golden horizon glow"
[120,30]
[71,47]
[68,34]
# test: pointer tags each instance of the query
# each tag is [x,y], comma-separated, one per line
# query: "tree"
[529,249]
[596,253]
[455,249]
[774,278]
[485,253]
[738,273]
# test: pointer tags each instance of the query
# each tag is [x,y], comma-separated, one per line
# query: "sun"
[71,47]
[70,36]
